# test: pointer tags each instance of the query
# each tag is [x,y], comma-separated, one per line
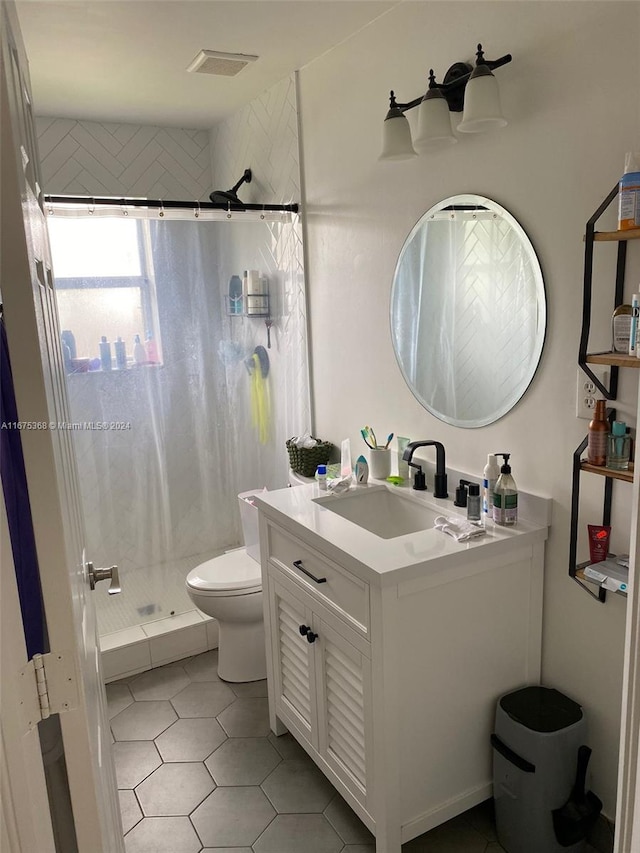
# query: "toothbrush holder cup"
[380,463]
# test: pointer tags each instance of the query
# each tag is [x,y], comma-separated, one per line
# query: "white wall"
[572,101]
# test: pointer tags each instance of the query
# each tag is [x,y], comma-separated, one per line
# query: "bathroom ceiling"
[126,60]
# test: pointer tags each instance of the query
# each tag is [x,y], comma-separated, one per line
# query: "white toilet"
[229,588]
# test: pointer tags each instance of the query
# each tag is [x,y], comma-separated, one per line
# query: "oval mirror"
[468,311]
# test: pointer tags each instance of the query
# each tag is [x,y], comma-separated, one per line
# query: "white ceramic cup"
[380,463]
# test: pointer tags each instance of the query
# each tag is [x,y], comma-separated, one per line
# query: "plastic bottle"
[139,352]
[489,479]
[235,295]
[105,353]
[621,328]
[151,349]
[598,435]
[69,339]
[361,471]
[121,353]
[321,477]
[473,503]
[505,496]
[629,195]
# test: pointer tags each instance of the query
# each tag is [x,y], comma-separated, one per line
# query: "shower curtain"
[165,444]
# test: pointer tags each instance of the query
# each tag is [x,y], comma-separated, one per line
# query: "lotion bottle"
[598,435]
[505,497]
[489,479]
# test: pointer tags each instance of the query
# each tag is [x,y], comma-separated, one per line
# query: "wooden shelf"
[627,476]
[616,236]
[580,575]
[620,359]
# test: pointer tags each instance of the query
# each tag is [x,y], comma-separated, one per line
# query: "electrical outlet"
[586,391]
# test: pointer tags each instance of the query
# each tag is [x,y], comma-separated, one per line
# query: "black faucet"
[440,479]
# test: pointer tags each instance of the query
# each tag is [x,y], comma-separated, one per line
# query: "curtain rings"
[196,212]
[262,214]
[228,210]
[123,207]
[92,206]
[161,213]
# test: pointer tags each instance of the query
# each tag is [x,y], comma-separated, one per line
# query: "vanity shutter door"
[294,659]
[345,686]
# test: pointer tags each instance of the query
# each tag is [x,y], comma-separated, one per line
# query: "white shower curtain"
[160,482]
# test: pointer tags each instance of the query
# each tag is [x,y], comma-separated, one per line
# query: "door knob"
[96,575]
[304,630]
[311,637]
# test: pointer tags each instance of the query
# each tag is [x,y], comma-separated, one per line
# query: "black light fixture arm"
[454,82]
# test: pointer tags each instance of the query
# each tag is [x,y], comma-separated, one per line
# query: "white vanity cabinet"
[412,643]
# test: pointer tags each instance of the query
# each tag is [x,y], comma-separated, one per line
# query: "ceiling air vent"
[222,64]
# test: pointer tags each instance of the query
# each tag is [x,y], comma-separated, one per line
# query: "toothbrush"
[389,437]
[364,434]
[373,436]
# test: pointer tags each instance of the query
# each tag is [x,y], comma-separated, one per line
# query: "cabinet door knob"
[298,565]
[311,637]
[304,630]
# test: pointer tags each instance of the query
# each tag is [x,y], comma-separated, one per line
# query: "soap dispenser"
[505,497]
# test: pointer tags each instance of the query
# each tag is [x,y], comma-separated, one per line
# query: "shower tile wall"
[264,136]
[91,158]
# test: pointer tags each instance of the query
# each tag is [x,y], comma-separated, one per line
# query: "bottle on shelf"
[105,353]
[139,352]
[121,353]
[151,349]
[235,295]
[629,195]
[598,435]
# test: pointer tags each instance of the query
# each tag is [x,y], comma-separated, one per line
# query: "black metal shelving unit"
[615,361]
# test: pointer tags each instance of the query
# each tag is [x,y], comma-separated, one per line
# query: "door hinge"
[48,685]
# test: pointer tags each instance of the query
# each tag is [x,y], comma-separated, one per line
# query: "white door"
[26,287]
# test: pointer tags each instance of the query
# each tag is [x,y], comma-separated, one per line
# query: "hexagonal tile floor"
[199,772]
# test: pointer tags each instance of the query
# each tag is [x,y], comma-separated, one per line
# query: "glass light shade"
[481,103]
[396,137]
[434,122]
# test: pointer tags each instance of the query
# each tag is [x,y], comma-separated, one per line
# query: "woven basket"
[305,460]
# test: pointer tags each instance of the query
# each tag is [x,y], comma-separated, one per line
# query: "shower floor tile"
[235,778]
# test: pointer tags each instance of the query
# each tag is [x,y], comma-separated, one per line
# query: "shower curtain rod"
[181,205]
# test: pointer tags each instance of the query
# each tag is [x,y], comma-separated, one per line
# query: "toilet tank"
[249,519]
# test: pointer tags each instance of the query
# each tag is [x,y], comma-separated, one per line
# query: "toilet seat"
[234,573]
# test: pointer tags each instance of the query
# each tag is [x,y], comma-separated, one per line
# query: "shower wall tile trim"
[157,643]
[91,158]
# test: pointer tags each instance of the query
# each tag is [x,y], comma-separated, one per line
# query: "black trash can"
[538,780]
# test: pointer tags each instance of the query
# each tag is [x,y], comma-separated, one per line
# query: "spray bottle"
[505,496]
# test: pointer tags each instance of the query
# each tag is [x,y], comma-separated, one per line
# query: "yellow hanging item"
[260,401]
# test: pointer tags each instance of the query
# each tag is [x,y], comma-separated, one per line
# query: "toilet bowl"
[229,588]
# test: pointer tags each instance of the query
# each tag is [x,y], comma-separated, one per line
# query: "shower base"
[152,621]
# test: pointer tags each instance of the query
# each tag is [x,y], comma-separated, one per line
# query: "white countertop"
[336,537]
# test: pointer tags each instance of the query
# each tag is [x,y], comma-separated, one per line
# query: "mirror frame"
[541,299]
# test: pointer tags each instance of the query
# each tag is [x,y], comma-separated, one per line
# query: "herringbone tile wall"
[263,136]
[92,158]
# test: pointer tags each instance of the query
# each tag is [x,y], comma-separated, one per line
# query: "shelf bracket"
[611,392]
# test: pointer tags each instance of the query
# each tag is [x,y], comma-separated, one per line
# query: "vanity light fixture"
[472,91]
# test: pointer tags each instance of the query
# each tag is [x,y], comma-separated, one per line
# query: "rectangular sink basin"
[381,511]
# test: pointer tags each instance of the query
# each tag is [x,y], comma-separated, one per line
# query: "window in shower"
[105,287]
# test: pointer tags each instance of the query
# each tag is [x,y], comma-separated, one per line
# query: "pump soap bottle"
[505,497]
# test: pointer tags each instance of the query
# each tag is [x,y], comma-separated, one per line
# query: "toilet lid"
[234,572]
